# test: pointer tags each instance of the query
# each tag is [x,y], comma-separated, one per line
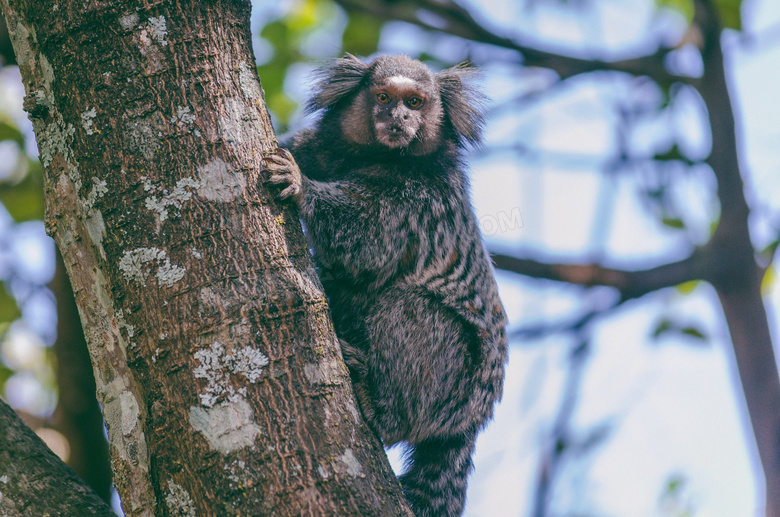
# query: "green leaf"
[672,154]
[768,280]
[667,326]
[9,131]
[5,374]
[663,326]
[687,287]
[728,10]
[694,333]
[673,222]
[683,6]
[9,311]
[361,35]
[675,484]
[282,105]
[286,35]
[730,13]
[24,199]
[767,254]
[714,225]
[275,32]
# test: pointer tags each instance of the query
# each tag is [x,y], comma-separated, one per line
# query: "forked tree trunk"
[215,360]
[77,415]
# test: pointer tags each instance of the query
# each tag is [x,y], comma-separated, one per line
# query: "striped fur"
[409,280]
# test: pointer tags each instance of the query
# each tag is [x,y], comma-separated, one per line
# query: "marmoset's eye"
[414,102]
[383,97]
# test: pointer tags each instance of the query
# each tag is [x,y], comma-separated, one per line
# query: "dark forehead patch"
[388,66]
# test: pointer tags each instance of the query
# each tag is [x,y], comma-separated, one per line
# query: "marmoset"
[380,186]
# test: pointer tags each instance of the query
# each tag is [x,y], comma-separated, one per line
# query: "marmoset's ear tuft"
[463,102]
[335,81]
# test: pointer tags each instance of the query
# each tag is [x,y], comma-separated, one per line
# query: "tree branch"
[457,21]
[570,325]
[631,284]
[34,480]
[738,277]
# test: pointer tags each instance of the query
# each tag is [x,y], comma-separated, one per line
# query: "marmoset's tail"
[437,474]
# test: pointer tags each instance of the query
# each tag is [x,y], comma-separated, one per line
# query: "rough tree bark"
[29,469]
[215,360]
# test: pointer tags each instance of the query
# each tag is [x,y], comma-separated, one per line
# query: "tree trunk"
[736,276]
[219,374]
[29,470]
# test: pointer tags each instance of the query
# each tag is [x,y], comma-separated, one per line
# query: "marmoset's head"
[396,102]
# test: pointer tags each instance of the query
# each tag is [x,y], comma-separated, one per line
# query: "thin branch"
[555,454]
[564,326]
[457,21]
[630,284]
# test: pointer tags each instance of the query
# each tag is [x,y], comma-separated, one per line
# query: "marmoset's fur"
[385,201]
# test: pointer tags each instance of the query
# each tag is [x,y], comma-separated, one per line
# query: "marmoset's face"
[399,109]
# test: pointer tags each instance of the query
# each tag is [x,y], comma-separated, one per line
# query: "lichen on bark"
[208,330]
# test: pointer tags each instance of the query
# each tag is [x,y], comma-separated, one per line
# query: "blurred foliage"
[667,326]
[767,255]
[5,374]
[9,131]
[361,36]
[675,499]
[729,10]
[673,154]
[768,280]
[21,194]
[314,30]
[296,37]
[9,310]
[24,198]
[673,222]
[688,287]
[286,36]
